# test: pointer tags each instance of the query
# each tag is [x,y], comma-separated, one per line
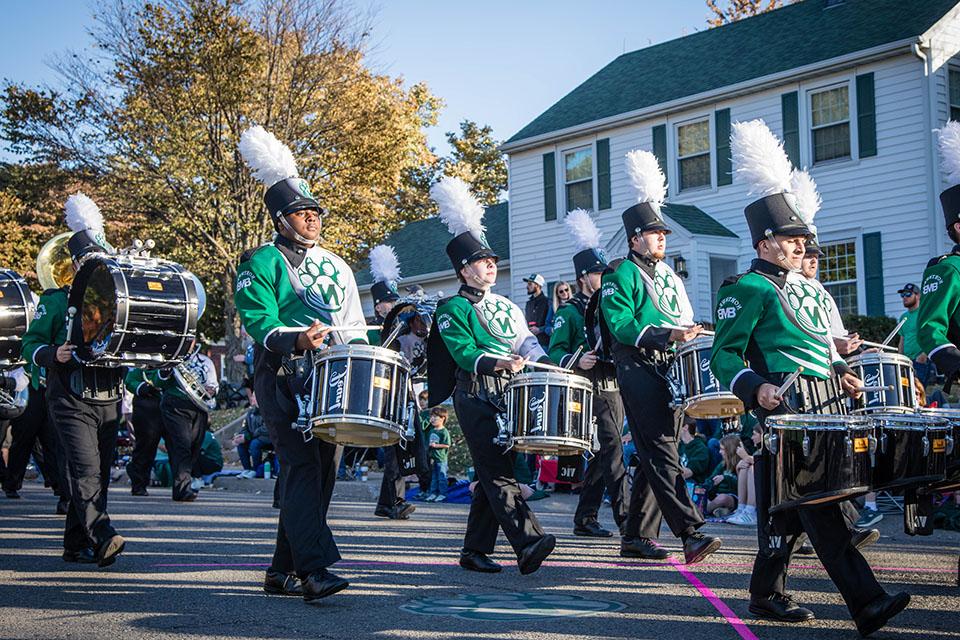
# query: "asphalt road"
[193,571]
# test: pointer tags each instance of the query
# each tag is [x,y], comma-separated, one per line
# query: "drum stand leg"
[889,496]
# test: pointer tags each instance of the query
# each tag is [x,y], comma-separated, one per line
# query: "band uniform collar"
[472,294]
[294,252]
[646,263]
[956,250]
[772,271]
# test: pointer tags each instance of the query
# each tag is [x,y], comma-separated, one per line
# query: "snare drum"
[911,450]
[702,395]
[358,395]
[550,413]
[133,311]
[16,312]
[818,459]
[951,481]
[891,370]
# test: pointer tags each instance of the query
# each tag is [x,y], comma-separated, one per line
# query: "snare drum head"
[94,295]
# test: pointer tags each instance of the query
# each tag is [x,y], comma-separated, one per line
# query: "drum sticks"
[789,381]
[336,327]
[533,365]
[896,330]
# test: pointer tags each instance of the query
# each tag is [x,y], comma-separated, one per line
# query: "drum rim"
[537,378]
[910,422]
[880,358]
[818,422]
[578,443]
[28,307]
[364,351]
[334,419]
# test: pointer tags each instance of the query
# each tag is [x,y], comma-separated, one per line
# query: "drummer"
[478,339]
[646,309]
[385,269]
[765,329]
[569,348]
[292,282]
[83,400]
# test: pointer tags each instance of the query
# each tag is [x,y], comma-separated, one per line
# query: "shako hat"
[583,231]
[647,179]
[463,215]
[273,164]
[385,269]
[85,220]
[948,139]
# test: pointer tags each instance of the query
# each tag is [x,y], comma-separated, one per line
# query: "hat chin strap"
[780,255]
[296,236]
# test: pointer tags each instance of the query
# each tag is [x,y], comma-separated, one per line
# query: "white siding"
[888,193]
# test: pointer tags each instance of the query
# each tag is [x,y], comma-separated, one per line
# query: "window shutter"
[721,123]
[866,116]
[660,148]
[603,174]
[873,273]
[549,186]
[790,112]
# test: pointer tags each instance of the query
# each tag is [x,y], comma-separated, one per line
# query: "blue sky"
[497,62]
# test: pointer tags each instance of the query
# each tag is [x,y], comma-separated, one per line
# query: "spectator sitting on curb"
[252,440]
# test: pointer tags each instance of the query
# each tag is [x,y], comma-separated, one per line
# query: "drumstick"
[336,327]
[877,345]
[789,381]
[896,329]
[576,355]
[889,387]
[529,363]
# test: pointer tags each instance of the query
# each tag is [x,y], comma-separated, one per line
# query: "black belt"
[484,387]
[604,376]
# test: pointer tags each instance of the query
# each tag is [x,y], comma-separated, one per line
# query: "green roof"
[420,246]
[793,36]
[695,220]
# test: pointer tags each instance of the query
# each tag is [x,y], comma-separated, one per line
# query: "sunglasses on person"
[907,294]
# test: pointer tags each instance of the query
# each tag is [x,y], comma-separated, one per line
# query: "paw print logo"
[808,306]
[304,189]
[498,314]
[668,298]
[322,284]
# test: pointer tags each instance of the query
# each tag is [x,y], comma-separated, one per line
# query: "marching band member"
[147,428]
[645,308]
[290,282]
[769,321]
[468,328]
[385,269]
[84,402]
[569,337]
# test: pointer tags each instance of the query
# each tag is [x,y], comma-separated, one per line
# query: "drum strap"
[96,384]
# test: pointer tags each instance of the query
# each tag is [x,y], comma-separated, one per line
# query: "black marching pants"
[658,484]
[30,428]
[184,425]
[497,503]
[147,430]
[605,470]
[308,471]
[393,487]
[88,434]
[778,536]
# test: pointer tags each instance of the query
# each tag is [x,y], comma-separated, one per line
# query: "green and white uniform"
[938,325]
[640,298]
[568,331]
[776,321]
[47,329]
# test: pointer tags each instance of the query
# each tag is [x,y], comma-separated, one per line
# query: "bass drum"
[133,311]
[16,312]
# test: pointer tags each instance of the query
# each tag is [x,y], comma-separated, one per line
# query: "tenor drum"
[818,459]
[550,413]
[891,371]
[951,481]
[359,395]
[700,393]
[133,311]
[911,450]
[16,312]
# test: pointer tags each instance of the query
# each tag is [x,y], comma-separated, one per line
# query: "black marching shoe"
[282,584]
[139,491]
[63,506]
[189,496]
[779,607]
[321,584]
[698,546]
[400,511]
[591,529]
[12,494]
[642,548]
[806,549]
[863,538]
[535,553]
[876,614]
[476,561]
[83,556]
[110,549]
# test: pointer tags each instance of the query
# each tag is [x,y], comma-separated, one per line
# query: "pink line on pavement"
[739,626]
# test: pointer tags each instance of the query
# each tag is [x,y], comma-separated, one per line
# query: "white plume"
[759,158]
[804,189]
[83,213]
[384,265]
[647,178]
[583,230]
[459,210]
[269,159]
[948,139]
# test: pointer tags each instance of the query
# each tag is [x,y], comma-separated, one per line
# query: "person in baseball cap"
[537,308]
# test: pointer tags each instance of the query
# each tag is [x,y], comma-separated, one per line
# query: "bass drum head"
[16,311]
[94,296]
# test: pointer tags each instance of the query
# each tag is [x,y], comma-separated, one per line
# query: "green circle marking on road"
[510,607]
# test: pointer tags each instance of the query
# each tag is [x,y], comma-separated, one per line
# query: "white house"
[853,87]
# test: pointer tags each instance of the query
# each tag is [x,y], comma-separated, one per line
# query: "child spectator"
[439,446]
[252,440]
[721,486]
[694,455]
[746,513]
